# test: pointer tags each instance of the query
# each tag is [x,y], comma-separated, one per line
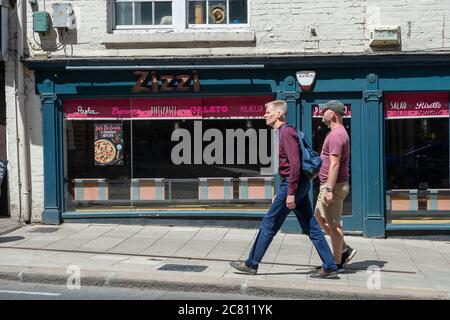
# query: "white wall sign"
[306,79]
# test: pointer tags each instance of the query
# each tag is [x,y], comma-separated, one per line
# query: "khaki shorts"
[333,212]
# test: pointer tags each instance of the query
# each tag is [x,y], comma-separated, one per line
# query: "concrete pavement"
[132,255]
[8,225]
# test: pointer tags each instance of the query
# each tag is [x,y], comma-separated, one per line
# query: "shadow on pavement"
[363,266]
[10,239]
[356,267]
[309,271]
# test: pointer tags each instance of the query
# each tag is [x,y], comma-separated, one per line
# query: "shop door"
[316,131]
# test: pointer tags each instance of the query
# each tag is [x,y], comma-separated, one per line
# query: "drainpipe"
[22,136]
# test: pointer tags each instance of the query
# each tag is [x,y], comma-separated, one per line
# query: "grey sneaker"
[339,270]
[321,274]
[241,266]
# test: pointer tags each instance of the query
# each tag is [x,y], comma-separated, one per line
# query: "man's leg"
[270,225]
[321,221]
[326,228]
[309,226]
[337,240]
[322,210]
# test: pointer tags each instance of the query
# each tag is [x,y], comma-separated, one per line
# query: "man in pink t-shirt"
[334,177]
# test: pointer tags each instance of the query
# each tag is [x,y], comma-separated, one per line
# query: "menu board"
[108,144]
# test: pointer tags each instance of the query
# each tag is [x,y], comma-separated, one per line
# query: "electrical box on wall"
[63,16]
[41,21]
[385,36]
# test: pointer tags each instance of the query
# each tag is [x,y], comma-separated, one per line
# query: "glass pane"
[143,14]
[161,183]
[417,167]
[124,13]
[320,131]
[417,153]
[417,157]
[217,12]
[238,11]
[98,164]
[197,12]
[163,13]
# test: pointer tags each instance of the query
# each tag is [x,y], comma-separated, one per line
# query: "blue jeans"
[275,217]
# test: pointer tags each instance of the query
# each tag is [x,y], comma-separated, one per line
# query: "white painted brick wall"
[285,26]
[14,202]
[34,127]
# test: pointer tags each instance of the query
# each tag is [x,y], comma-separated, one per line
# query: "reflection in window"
[124,13]
[417,168]
[417,153]
[98,163]
[128,164]
[215,12]
[143,13]
[417,157]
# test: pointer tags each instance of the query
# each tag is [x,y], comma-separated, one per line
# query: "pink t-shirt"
[337,142]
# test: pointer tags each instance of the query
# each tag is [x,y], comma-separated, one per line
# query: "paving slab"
[164,247]
[133,245]
[197,248]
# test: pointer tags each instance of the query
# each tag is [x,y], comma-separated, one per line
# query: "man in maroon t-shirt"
[334,176]
[292,194]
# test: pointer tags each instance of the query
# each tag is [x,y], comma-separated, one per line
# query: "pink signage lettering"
[416,105]
[166,108]
[318,111]
[80,110]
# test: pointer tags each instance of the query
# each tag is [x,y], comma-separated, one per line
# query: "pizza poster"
[108,144]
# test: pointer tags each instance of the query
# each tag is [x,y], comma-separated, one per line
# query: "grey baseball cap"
[335,106]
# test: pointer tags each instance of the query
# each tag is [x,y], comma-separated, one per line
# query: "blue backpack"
[311,161]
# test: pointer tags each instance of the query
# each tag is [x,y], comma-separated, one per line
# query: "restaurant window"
[143,13]
[210,14]
[320,131]
[168,154]
[213,12]
[417,157]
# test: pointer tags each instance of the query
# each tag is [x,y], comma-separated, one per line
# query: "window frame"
[180,18]
[217,26]
[134,26]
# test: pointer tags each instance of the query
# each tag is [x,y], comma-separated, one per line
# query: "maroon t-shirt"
[337,142]
[289,164]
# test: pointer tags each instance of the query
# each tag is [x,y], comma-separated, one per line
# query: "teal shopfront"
[112,129]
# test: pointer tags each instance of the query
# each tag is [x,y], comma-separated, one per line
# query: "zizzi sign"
[416,105]
[150,82]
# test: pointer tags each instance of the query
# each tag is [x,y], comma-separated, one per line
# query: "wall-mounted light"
[385,36]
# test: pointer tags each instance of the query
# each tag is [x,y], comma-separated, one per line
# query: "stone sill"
[179,39]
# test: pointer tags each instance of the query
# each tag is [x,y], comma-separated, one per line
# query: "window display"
[167,153]
[417,156]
